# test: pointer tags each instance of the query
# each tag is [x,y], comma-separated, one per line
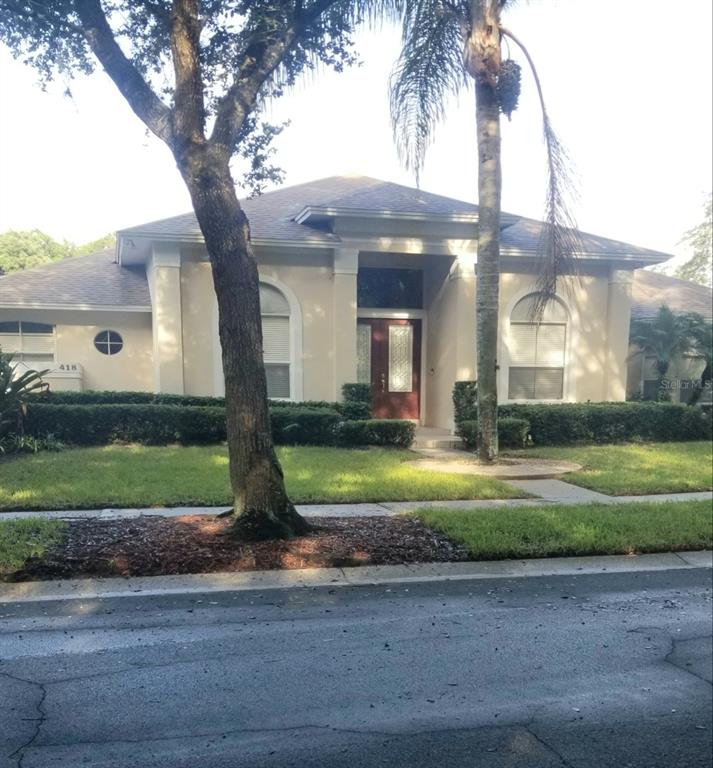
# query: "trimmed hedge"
[465,401]
[385,432]
[126,422]
[189,424]
[512,433]
[359,393]
[352,407]
[304,426]
[567,423]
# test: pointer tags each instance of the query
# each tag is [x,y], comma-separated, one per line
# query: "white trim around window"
[506,340]
[295,331]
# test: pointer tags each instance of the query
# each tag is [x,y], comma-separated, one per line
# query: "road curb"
[37,591]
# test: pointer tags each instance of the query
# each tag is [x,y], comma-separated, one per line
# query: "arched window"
[537,351]
[276,340]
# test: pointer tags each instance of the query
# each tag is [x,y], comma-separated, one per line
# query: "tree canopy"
[23,249]
[699,268]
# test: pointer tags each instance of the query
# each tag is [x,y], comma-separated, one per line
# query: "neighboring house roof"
[652,289]
[94,281]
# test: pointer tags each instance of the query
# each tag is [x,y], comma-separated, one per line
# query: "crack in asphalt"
[19,753]
[548,747]
[679,641]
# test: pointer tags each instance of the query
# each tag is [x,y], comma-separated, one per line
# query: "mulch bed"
[153,546]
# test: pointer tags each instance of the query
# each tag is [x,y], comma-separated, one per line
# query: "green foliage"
[630,469]
[699,268]
[670,335]
[32,248]
[356,393]
[353,410]
[569,423]
[131,423]
[582,529]
[467,430]
[512,432]
[14,392]
[14,443]
[175,475]
[304,426]
[465,401]
[664,337]
[111,397]
[100,244]
[384,432]
[25,249]
[23,539]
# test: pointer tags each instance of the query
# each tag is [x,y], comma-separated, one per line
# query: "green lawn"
[129,476]
[636,468]
[584,529]
[21,539]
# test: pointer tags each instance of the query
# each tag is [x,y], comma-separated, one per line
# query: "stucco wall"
[595,366]
[308,274]
[130,369]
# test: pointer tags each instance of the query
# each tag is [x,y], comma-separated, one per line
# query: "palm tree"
[667,336]
[447,46]
[701,332]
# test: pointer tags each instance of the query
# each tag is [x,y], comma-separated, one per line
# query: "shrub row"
[353,406]
[512,433]
[388,432]
[190,424]
[567,423]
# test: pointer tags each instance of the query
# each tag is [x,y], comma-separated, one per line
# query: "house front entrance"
[389,358]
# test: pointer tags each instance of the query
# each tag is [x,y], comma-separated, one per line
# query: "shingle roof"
[94,280]
[652,289]
[524,235]
[272,215]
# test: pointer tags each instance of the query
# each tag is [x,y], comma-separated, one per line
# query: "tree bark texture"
[261,504]
[483,63]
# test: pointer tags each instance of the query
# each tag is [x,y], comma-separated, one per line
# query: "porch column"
[164,277]
[450,349]
[344,313]
[463,287]
[618,316]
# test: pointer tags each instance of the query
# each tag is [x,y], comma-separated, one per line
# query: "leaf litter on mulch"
[152,546]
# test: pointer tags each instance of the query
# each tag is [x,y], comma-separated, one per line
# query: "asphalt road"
[606,670]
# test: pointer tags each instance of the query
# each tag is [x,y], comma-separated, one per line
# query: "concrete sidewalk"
[546,492]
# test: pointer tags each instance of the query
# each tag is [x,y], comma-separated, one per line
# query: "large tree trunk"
[483,62]
[261,505]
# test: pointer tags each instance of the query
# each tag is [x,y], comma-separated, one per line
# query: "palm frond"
[560,240]
[428,71]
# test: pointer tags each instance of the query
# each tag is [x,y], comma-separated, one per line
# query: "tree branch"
[145,103]
[262,57]
[189,105]
[261,60]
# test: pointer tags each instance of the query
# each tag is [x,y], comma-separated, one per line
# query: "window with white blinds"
[276,341]
[28,342]
[537,351]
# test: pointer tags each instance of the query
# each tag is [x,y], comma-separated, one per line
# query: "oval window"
[108,342]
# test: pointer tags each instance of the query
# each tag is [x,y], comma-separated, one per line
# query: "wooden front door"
[394,349]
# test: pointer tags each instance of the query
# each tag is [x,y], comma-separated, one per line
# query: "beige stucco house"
[361,280]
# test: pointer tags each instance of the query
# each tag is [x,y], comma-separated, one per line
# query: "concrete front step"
[437,443]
